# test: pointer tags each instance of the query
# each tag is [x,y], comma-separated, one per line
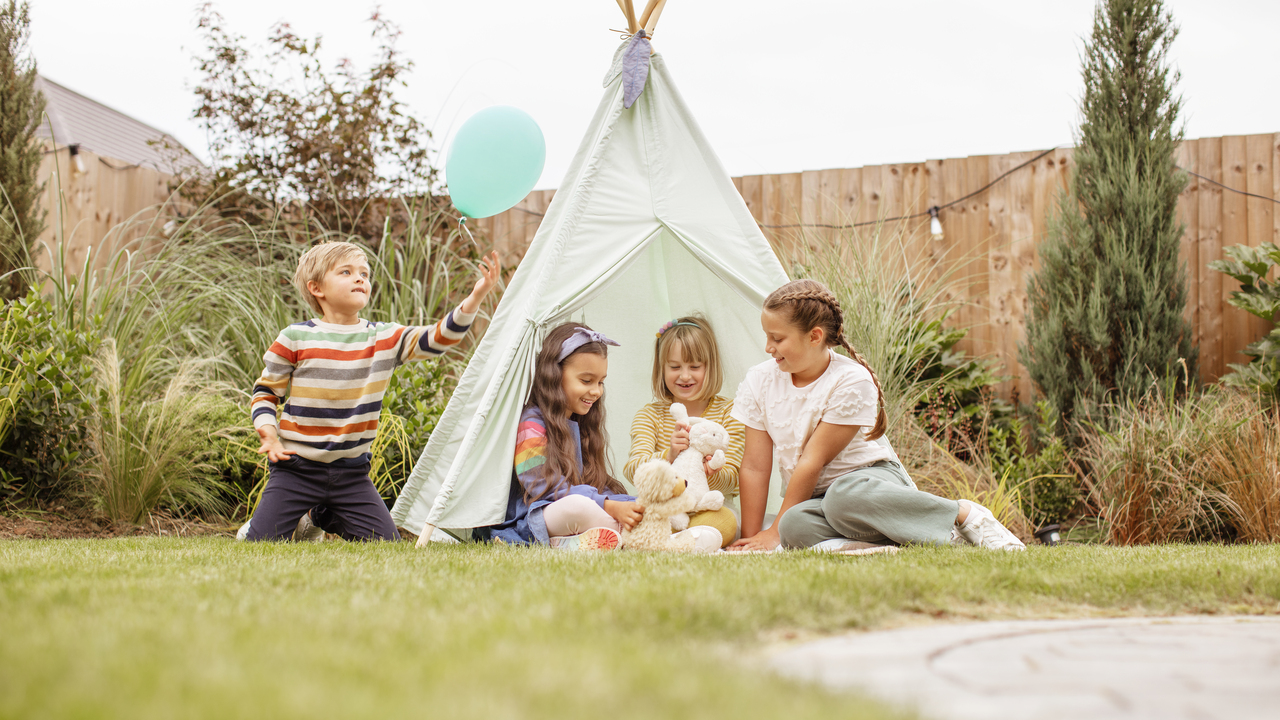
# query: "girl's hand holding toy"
[626,513]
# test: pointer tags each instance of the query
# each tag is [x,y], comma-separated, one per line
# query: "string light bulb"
[935,225]
[76,160]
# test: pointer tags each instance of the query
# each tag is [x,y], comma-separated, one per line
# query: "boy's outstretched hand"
[490,271]
[272,446]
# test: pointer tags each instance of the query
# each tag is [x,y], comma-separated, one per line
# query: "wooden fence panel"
[1275,185]
[1000,281]
[990,244]
[1261,214]
[1209,200]
[1235,231]
[1022,250]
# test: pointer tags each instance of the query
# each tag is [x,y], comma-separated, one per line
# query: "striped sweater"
[335,376]
[651,432]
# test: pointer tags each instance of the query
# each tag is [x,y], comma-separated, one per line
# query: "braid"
[800,291]
[882,418]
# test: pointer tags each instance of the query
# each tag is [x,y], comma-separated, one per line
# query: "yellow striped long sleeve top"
[653,426]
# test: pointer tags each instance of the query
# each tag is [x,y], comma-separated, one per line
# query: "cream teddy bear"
[706,437]
[663,495]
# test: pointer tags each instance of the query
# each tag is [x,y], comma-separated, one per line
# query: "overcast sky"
[776,86]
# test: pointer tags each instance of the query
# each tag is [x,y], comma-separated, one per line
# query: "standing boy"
[335,371]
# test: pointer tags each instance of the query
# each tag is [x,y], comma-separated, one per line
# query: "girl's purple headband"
[580,337]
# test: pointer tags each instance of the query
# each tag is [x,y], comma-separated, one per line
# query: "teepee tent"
[646,226]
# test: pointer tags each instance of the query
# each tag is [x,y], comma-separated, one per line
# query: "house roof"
[104,131]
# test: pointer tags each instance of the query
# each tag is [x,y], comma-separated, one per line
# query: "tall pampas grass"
[147,450]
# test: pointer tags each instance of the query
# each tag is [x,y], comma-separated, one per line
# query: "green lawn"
[166,628]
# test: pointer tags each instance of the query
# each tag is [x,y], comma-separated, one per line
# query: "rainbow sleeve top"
[334,377]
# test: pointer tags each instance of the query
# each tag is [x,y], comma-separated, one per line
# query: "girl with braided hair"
[821,414]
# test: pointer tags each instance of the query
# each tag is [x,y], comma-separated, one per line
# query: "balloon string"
[463,224]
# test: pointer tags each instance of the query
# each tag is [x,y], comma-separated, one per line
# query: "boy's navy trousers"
[344,499]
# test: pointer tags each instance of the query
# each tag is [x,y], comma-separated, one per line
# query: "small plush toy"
[706,437]
[663,495]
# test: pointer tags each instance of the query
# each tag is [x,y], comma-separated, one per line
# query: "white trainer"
[307,530]
[956,537]
[982,529]
[243,533]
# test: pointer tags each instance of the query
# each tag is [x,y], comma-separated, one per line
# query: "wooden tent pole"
[644,16]
[653,19]
[424,539]
[629,10]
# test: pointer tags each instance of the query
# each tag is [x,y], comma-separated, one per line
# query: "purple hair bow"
[580,337]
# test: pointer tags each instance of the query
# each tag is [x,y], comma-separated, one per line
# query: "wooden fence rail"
[994,235]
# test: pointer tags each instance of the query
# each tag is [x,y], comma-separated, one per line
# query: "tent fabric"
[646,226]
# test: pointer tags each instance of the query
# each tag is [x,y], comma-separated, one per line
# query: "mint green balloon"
[494,161]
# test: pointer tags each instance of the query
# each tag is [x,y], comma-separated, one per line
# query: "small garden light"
[935,225]
[1049,534]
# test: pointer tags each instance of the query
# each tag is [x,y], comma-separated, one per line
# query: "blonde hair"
[697,344]
[808,304]
[319,260]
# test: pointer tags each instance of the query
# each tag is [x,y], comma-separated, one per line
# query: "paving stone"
[1199,668]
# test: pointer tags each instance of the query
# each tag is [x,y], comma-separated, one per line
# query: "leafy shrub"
[1034,455]
[285,129]
[146,451]
[1251,267]
[962,405]
[415,399]
[49,373]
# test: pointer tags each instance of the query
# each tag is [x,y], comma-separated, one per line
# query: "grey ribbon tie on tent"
[580,337]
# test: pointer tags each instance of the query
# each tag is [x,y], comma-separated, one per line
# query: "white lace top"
[844,395]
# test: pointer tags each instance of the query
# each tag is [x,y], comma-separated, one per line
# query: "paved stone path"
[1197,668]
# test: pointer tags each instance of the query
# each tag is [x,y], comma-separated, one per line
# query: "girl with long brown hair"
[561,490]
[822,412]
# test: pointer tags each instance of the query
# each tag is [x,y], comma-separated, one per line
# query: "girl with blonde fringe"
[686,369]
[821,413]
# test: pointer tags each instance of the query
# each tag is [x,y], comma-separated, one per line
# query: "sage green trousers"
[876,504]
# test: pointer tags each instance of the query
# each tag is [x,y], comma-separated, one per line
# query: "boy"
[335,371]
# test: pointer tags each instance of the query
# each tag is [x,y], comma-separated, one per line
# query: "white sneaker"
[705,539]
[843,546]
[243,533]
[982,529]
[307,530]
[956,537]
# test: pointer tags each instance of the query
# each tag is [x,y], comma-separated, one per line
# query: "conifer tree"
[21,107]
[1105,310]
